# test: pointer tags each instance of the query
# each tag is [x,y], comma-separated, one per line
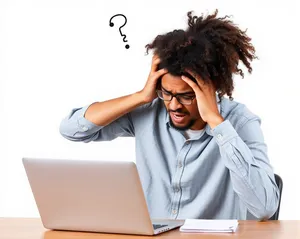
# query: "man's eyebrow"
[182,93]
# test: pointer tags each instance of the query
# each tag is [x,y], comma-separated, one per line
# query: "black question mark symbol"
[123,35]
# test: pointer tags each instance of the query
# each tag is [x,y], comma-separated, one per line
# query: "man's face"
[182,116]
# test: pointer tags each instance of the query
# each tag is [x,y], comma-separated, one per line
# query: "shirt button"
[180,165]
[84,128]
[220,136]
[177,189]
[174,211]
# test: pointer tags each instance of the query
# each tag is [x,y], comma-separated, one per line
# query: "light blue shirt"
[223,174]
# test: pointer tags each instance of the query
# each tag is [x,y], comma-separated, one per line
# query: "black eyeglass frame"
[176,96]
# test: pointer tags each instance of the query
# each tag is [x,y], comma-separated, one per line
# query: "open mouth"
[178,117]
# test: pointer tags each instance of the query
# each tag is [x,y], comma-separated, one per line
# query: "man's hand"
[206,99]
[149,91]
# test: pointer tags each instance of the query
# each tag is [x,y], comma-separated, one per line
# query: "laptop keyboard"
[156,226]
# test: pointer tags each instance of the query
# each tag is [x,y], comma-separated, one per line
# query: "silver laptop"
[94,196]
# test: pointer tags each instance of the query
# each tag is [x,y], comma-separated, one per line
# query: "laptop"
[92,196]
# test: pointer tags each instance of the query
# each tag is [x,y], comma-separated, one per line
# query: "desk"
[32,228]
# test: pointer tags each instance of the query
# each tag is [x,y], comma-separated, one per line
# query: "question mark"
[124,36]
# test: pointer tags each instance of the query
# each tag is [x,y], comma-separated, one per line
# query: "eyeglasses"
[182,98]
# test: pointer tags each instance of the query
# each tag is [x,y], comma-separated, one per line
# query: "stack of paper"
[199,225]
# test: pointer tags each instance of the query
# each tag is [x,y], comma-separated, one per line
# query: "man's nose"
[175,104]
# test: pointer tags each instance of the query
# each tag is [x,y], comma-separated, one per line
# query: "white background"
[57,55]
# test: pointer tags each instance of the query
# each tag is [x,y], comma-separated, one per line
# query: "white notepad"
[200,225]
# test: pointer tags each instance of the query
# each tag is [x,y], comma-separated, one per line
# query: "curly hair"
[211,47]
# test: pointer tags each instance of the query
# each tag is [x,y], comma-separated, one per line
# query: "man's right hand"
[103,113]
[149,91]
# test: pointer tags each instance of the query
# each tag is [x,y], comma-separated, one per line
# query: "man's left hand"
[206,99]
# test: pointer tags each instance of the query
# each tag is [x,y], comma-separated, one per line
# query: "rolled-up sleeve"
[76,127]
[244,153]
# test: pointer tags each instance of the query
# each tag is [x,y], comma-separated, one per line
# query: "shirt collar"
[207,127]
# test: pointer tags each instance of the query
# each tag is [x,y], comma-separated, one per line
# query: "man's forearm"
[250,172]
[103,113]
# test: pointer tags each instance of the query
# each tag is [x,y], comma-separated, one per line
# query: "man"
[199,154]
